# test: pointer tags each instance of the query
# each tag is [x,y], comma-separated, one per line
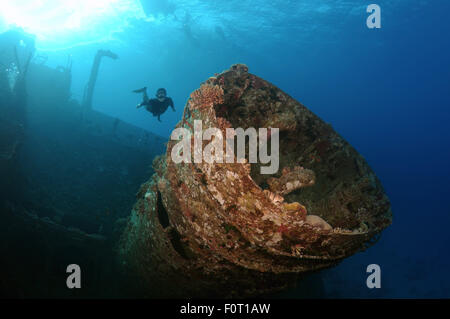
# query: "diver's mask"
[161,95]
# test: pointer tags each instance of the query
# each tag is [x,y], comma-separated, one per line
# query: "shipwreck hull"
[226,230]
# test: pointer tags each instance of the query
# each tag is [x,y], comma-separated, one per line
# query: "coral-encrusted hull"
[204,229]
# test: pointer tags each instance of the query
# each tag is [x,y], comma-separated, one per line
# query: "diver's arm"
[171,104]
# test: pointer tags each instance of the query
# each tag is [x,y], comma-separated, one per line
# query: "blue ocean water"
[386,91]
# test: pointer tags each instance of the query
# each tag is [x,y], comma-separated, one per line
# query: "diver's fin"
[140,90]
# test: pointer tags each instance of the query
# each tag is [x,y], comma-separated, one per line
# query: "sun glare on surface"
[69,22]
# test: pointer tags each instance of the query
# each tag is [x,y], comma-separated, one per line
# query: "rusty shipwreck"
[225,230]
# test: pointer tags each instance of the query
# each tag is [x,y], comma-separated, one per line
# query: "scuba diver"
[155,106]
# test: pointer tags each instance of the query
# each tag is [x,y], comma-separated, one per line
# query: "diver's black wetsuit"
[156,107]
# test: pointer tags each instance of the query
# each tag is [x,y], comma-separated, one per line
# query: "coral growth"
[206,97]
[291,180]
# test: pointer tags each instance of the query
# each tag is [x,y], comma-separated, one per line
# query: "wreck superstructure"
[68,176]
